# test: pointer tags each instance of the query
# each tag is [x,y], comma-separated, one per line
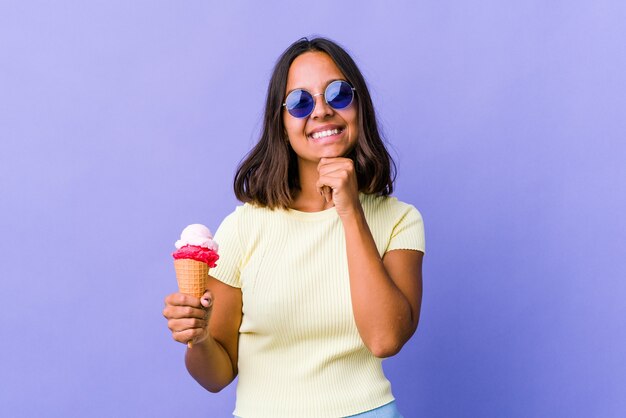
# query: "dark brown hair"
[268,175]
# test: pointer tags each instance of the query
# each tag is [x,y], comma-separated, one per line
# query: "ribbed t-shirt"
[300,353]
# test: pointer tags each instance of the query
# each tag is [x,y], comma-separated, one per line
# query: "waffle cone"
[192,276]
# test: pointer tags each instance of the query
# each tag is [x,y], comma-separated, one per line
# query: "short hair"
[268,174]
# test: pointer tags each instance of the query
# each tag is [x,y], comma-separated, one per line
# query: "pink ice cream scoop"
[196,243]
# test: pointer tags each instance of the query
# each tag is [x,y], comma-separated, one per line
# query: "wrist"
[348,205]
[353,216]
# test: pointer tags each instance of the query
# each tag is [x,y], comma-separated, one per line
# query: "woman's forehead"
[312,70]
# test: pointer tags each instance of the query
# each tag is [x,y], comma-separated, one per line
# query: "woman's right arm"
[212,322]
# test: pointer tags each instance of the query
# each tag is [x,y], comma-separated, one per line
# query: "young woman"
[319,276]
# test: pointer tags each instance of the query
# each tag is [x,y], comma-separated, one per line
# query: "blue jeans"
[389,410]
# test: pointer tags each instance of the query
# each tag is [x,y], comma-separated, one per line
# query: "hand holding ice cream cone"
[195,253]
[188,316]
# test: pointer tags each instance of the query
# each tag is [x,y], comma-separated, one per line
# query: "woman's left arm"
[386,292]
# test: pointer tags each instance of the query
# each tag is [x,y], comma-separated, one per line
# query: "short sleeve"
[230,251]
[408,232]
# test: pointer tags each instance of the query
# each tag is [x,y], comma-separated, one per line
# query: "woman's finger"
[193,334]
[179,312]
[181,299]
[179,325]
[207,299]
[327,192]
[327,165]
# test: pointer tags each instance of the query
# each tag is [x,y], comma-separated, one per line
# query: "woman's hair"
[268,175]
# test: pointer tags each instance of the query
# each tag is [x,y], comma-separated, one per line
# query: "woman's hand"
[337,182]
[188,317]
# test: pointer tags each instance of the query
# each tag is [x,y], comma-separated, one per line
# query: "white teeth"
[323,134]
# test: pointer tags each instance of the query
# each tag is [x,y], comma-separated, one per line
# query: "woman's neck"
[308,198]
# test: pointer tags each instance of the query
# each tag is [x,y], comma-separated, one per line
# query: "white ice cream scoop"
[198,235]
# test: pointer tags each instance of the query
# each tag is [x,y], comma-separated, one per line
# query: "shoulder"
[394,224]
[388,207]
[247,223]
[247,212]
[250,215]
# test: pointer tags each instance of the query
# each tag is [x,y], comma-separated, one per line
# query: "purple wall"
[122,122]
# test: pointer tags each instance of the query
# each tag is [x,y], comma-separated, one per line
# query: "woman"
[320,270]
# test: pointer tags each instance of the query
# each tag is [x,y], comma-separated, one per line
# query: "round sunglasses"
[338,95]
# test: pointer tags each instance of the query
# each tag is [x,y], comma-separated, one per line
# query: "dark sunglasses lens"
[299,103]
[339,94]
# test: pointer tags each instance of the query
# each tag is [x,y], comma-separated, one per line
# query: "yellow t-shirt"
[300,353]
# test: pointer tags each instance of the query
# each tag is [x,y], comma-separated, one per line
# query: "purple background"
[122,122]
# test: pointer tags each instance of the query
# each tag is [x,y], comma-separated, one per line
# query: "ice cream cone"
[192,278]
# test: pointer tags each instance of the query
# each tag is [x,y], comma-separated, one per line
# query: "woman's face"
[313,71]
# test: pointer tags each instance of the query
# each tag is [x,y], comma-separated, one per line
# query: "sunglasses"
[338,95]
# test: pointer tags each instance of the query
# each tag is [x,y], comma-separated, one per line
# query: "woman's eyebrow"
[325,85]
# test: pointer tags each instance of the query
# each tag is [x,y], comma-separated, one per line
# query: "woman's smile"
[326,133]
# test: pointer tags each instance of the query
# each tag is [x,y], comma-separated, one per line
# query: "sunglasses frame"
[319,94]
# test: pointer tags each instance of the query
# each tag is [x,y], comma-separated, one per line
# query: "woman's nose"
[321,108]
